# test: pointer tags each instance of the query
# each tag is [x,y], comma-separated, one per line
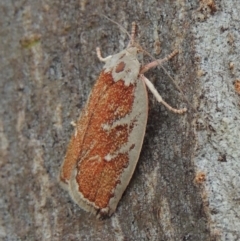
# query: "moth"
[105,146]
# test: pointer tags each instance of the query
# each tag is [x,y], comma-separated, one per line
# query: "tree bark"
[185,186]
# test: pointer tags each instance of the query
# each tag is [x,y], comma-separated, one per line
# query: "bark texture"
[186,184]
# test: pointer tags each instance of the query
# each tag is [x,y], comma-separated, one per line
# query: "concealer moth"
[105,146]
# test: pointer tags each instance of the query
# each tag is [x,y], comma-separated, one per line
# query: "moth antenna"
[133,34]
[119,25]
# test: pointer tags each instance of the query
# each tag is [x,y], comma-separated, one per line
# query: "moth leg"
[158,96]
[158,62]
[99,55]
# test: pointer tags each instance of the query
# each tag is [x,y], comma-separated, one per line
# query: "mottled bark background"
[186,184]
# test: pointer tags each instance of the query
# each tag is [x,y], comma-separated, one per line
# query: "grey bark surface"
[48,66]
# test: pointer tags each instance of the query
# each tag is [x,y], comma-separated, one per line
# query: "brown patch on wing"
[120,67]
